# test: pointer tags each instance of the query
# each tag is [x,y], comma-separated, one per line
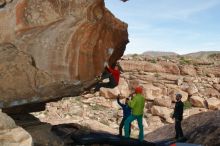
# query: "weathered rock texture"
[196,78]
[60,40]
[203,128]
[11,134]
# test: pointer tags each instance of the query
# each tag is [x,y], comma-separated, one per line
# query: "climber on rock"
[137,107]
[112,73]
[126,113]
[178,115]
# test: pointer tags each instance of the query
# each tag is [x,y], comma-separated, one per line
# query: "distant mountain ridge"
[158,53]
[201,54]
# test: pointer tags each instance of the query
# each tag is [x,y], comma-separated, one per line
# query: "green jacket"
[137,105]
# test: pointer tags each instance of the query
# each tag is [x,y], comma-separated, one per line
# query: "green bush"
[156,75]
[184,61]
[187,105]
[153,61]
[134,55]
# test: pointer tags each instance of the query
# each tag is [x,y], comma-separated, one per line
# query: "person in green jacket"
[137,107]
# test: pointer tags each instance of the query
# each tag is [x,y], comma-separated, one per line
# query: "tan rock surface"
[109,93]
[163,67]
[164,101]
[197,101]
[213,103]
[173,91]
[11,134]
[123,87]
[192,89]
[201,129]
[20,79]
[151,92]
[60,30]
[188,70]
[66,41]
[163,112]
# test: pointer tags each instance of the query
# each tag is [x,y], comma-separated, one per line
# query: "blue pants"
[129,120]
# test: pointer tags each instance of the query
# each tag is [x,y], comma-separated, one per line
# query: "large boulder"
[153,122]
[192,89]
[151,92]
[162,112]
[164,101]
[210,92]
[20,79]
[23,83]
[173,91]
[58,43]
[217,87]
[109,93]
[11,134]
[197,101]
[213,103]
[193,111]
[123,87]
[201,129]
[163,67]
[188,70]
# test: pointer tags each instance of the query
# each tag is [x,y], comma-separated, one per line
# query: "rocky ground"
[161,80]
[100,111]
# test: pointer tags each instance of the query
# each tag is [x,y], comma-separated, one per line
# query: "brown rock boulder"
[164,101]
[217,87]
[212,70]
[192,89]
[123,87]
[210,92]
[11,134]
[69,35]
[173,91]
[201,129]
[163,67]
[188,70]
[109,93]
[162,112]
[193,111]
[213,103]
[197,101]
[23,83]
[154,122]
[58,44]
[19,77]
[151,92]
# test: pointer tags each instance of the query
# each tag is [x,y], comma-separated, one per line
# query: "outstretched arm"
[118,100]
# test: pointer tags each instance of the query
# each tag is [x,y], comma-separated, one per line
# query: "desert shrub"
[184,61]
[134,55]
[156,75]
[187,105]
[153,61]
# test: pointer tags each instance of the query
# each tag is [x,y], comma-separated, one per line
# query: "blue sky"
[181,26]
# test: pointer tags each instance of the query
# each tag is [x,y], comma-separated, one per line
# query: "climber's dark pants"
[110,84]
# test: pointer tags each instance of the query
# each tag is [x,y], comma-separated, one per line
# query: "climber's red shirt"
[115,73]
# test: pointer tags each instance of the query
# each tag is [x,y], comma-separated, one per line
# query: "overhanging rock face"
[51,48]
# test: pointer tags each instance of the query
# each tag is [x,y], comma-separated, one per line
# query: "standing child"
[126,113]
